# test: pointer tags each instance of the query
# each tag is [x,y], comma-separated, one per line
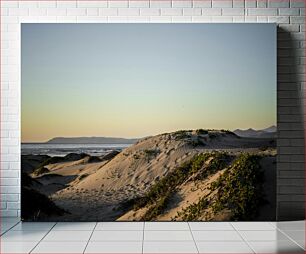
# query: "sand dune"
[101,190]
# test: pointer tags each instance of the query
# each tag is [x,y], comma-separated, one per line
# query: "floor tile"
[216,236]
[114,247]
[17,247]
[120,226]
[23,236]
[167,236]
[223,247]
[9,220]
[169,247]
[166,226]
[101,236]
[60,247]
[273,235]
[253,226]
[225,226]
[33,226]
[296,235]
[69,236]
[291,225]
[276,247]
[68,226]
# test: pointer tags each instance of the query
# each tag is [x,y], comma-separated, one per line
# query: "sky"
[136,80]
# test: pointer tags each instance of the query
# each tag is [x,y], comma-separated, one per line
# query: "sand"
[96,190]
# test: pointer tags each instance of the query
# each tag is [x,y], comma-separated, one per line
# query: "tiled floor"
[152,237]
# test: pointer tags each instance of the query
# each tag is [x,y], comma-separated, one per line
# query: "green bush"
[240,189]
[201,132]
[40,171]
[193,211]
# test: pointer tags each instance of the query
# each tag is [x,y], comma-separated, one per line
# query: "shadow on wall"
[290,125]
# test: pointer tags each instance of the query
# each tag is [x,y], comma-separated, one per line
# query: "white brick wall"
[291,72]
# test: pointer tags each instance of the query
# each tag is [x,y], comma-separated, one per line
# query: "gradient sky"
[135,80]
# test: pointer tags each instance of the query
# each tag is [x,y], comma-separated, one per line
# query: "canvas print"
[148,122]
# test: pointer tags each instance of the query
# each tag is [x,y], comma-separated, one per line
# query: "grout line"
[246,242]
[42,238]
[90,237]
[193,238]
[290,238]
[143,232]
[10,228]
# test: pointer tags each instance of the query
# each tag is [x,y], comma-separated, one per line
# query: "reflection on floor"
[152,237]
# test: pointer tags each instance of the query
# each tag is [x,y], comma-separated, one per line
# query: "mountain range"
[251,133]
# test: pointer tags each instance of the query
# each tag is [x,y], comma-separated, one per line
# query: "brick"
[2,205]
[108,11]
[92,4]
[66,4]
[250,3]
[9,213]
[18,12]
[233,11]
[13,205]
[297,20]
[9,4]
[171,11]
[76,12]
[181,4]
[118,4]
[291,189]
[211,11]
[289,11]
[92,11]
[47,4]
[128,12]
[9,197]
[159,19]
[291,150]
[238,19]
[238,3]
[202,3]
[139,4]
[291,174]
[220,19]
[293,198]
[38,11]
[160,4]
[297,3]
[262,19]
[289,28]
[278,3]
[222,3]
[262,4]
[9,173]
[279,19]
[93,19]
[262,12]
[57,12]
[181,19]
[192,11]
[150,12]
[201,19]
[9,181]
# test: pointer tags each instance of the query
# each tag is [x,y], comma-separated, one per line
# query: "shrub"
[201,132]
[240,188]
[193,211]
[40,171]
[179,135]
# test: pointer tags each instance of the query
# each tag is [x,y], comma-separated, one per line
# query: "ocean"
[64,149]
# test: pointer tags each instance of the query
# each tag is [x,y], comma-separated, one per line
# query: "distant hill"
[251,133]
[91,140]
